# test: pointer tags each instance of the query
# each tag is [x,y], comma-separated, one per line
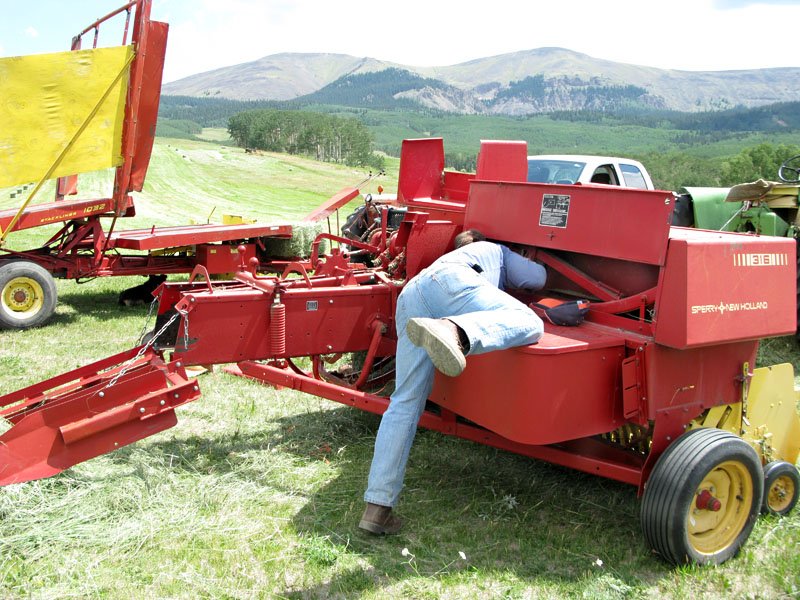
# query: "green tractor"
[762,207]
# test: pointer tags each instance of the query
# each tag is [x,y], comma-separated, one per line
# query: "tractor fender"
[707,208]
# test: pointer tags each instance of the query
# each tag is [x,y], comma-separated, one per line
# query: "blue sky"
[206,34]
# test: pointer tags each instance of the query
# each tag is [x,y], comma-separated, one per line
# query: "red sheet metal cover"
[562,388]
[421,166]
[606,221]
[147,113]
[427,243]
[55,212]
[187,235]
[503,161]
[722,287]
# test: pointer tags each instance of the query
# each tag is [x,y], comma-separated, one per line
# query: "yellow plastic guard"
[47,98]
[773,425]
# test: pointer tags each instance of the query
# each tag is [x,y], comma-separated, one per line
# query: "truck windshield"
[554,171]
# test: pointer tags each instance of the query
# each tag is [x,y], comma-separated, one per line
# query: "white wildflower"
[405,552]
[598,562]
[462,555]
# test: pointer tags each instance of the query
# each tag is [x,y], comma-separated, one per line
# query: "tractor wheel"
[781,488]
[28,295]
[703,497]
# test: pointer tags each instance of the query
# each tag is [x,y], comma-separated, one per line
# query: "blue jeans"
[492,320]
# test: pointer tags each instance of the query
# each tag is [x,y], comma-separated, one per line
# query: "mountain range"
[519,83]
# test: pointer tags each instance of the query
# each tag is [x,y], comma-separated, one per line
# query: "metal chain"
[141,351]
[153,304]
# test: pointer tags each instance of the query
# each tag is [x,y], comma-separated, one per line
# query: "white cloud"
[222,34]
[31,32]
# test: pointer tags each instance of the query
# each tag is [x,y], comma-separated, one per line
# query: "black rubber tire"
[28,295]
[781,488]
[669,502]
[682,211]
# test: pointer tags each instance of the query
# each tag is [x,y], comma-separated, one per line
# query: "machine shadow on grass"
[504,512]
[507,514]
[100,304]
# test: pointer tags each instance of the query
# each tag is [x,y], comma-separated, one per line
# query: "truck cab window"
[605,175]
[633,176]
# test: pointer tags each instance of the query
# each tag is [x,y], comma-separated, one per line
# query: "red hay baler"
[656,388]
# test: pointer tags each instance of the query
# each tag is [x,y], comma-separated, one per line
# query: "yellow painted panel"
[46,98]
[773,423]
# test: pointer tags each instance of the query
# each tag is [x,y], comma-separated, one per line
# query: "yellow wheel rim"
[711,531]
[780,493]
[22,297]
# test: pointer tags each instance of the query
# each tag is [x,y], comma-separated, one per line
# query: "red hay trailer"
[656,388]
[83,248]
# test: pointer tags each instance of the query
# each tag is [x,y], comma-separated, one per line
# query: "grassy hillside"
[188,179]
[257,492]
[706,139]
[192,181]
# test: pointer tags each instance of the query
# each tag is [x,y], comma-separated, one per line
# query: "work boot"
[379,520]
[440,339]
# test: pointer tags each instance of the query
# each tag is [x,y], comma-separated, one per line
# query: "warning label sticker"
[555,210]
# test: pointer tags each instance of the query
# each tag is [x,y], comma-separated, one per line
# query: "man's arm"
[522,273]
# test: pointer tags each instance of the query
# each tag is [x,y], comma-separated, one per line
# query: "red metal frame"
[88,412]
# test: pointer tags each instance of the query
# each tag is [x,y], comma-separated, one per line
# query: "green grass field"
[257,492]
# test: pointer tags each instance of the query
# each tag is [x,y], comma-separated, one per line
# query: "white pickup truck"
[575,168]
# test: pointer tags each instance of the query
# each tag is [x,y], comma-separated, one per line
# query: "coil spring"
[631,437]
[277,329]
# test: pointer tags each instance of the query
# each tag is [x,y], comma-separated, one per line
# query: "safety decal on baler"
[555,210]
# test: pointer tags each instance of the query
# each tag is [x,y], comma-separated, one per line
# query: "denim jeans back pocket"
[457,280]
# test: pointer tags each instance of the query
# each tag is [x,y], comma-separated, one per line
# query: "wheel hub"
[720,508]
[22,295]
[706,501]
[781,493]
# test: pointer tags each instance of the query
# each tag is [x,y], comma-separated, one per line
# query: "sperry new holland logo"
[724,307]
[759,259]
